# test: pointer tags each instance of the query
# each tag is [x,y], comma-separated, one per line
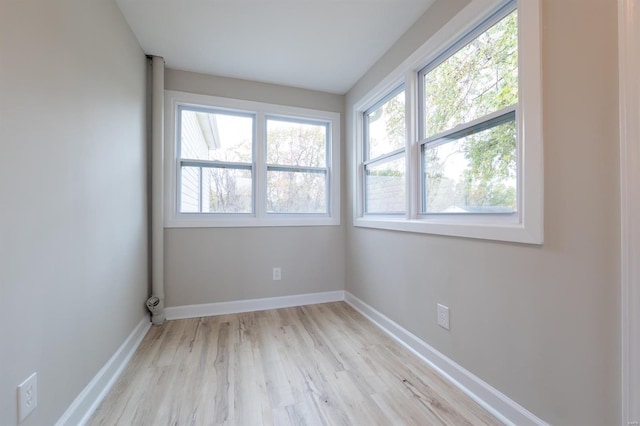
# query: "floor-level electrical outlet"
[443,316]
[277,274]
[27,397]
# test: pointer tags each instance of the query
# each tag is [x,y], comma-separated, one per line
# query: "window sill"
[498,228]
[216,221]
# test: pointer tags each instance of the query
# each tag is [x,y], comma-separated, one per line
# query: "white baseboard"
[492,400]
[92,395]
[251,305]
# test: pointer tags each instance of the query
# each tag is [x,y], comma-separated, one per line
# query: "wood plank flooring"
[313,365]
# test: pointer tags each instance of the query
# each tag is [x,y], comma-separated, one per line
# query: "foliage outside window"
[467,143]
[240,163]
[297,173]
[469,150]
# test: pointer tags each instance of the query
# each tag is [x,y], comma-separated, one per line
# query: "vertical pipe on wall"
[629,99]
[156,301]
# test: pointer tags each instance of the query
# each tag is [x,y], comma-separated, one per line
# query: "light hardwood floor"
[312,365]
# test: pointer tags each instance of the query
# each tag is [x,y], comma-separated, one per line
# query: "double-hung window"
[215,161]
[385,159]
[452,145]
[239,163]
[297,172]
[468,99]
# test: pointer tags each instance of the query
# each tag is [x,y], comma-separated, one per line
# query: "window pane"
[472,174]
[190,199]
[216,136]
[385,186]
[478,79]
[293,143]
[223,190]
[386,127]
[296,192]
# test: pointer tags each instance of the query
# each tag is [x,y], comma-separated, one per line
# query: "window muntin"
[384,166]
[216,160]
[297,172]
[473,92]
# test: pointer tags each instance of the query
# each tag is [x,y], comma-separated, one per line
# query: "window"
[216,160]
[240,163]
[297,173]
[447,151]
[384,150]
[468,127]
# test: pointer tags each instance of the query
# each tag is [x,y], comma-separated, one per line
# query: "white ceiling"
[323,45]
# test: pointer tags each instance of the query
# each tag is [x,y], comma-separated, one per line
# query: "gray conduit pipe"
[156,302]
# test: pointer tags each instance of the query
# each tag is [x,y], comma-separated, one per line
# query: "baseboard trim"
[251,305]
[492,400]
[92,395]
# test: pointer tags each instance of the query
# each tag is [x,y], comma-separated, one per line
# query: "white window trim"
[527,225]
[175,219]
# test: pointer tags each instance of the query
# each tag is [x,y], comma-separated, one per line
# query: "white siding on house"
[193,146]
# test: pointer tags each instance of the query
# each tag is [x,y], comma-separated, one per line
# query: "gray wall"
[73,226]
[539,323]
[208,265]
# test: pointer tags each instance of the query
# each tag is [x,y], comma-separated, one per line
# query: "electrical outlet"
[277,273]
[27,397]
[443,316]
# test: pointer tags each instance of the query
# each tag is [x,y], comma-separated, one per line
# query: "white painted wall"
[539,323]
[73,221]
[209,265]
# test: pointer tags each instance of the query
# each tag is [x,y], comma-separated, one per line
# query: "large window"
[238,163]
[468,99]
[454,156]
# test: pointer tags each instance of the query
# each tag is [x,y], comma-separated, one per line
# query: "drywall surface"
[234,88]
[209,265]
[539,323]
[73,224]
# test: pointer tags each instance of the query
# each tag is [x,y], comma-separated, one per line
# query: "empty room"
[319,212]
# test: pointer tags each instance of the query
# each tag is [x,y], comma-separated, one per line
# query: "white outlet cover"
[277,274]
[27,397]
[443,316]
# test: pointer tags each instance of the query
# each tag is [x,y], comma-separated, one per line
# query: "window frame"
[174,100]
[301,169]
[383,158]
[489,121]
[524,226]
[215,164]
